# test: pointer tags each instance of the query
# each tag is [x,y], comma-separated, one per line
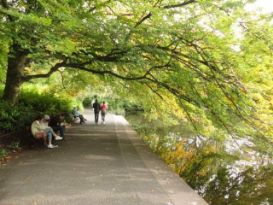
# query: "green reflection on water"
[221,177]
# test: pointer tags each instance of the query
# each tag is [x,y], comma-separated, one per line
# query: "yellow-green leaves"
[66,46]
[30,18]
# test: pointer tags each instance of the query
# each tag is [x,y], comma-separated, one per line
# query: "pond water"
[225,172]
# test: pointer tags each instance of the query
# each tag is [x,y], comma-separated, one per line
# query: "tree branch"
[147,16]
[113,56]
[154,91]
[179,5]
[102,4]
[107,72]
[189,116]
[44,75]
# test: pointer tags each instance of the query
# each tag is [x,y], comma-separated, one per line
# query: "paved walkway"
[95,165]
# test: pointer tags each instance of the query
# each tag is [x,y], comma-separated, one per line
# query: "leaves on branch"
[183,54]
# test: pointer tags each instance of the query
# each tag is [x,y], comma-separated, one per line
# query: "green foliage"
[206,66]
[116,103]
[219,175]
[3,153]
[14,145]
[250,187]
[178,64]
[44,103]
[31,103]
[87,101]
[4,48]
[12,118]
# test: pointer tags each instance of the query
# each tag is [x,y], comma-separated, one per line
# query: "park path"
[96,165]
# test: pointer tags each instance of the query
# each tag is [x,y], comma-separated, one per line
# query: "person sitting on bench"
[41,130]
[76,113]
[58,124]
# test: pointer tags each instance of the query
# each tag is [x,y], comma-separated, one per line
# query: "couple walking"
[99,108]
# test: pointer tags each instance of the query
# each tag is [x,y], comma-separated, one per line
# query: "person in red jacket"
[103,108]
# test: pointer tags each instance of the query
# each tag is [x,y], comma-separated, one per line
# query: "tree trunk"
[16,65]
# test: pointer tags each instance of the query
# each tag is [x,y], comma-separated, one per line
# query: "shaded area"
[97,164]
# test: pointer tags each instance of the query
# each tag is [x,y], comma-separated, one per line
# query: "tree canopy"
[206,62]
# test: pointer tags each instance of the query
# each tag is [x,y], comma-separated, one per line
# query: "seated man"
[58,124]
[41,130]
[76,113]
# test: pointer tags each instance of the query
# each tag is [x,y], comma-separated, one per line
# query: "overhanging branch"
[180,4]
[148,15]
[107,72]
[44,75]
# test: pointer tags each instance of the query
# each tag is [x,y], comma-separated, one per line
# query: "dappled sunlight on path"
[97,165]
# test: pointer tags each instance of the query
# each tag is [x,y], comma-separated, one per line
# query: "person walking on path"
[103,109]
[96,107]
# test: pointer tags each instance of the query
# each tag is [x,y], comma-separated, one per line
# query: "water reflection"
[227,172]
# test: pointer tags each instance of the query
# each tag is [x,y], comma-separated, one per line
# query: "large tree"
[180,49]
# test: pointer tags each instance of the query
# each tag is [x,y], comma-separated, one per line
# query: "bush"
[13,118]
[3,153]
[87,102]
[30,105]
[44,103]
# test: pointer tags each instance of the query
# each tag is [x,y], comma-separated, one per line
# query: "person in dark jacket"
[58,124]
[96,107]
